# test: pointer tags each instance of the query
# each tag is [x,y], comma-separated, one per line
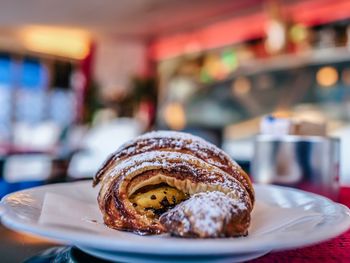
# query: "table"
[17,247]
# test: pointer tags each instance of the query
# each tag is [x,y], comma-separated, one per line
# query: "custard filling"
[157,198]
[154,195]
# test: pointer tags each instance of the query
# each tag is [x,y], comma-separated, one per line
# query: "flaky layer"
[177,142]
[182,171]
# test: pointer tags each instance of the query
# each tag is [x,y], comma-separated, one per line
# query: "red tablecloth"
[335,250]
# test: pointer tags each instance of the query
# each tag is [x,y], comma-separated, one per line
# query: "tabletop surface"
[17,247]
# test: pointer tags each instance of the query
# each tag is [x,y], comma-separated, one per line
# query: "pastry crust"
[177,142]
[185,164]
[208,215]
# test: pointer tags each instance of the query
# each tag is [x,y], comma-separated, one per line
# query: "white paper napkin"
[62,211]
[59,210]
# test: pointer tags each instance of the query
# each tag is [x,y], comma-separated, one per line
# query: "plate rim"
[109,255]
[194,247]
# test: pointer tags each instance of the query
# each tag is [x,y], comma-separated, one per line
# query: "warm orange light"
[282,113]
[174,116]
[327,76]
[71,43]
[241,86]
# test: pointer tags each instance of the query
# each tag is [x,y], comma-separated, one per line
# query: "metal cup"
[309,163]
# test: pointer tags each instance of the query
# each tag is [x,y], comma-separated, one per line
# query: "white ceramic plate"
[21,211]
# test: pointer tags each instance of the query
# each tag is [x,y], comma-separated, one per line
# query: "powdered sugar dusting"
[177,142]
[205,214]
[171,161]
[210,211]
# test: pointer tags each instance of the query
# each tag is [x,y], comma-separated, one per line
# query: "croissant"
[177,142]
[158,172]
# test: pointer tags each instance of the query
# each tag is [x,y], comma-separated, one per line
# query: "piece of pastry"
[158,171]
[208,215]
[177,142]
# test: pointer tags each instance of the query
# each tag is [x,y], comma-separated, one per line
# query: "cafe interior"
[78,79]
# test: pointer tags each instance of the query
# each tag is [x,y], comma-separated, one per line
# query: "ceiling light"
[70,43]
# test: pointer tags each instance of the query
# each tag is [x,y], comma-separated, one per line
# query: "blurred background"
[79,78]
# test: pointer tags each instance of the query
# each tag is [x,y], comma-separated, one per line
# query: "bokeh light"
[174,116]
[327,76]
[241,86]
[298,33]
[71,43]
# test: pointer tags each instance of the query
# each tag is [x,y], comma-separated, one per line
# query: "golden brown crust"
[179,170]
[177,142]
